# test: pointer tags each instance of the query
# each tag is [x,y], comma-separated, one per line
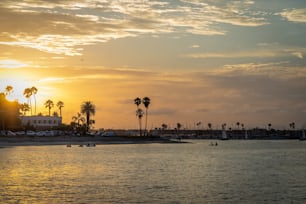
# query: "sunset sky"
[214,61]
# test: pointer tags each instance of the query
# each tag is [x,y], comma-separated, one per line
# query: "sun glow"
[18,88]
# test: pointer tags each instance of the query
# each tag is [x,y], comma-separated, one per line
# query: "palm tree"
[78,119]
[242,126]
[223,126]
[49,104]
[34,92]
[139,114]
[198,124]
[269,125]
[292,125]
[137,101]
[60,105]
[209,125]
[146,102]
[88,108]
[178,126]
[24,107]
[77,123]
[164,127]
[8,90]
[238,124]
[28,93]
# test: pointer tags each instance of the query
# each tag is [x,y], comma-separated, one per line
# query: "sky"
[208,61]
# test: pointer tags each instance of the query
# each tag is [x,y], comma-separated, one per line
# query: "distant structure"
[41,122]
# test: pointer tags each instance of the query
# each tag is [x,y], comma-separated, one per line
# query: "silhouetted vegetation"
[78,124]
[89,109]
[60,105]
[49,104]
[139,112]
[9,113]
[146,102]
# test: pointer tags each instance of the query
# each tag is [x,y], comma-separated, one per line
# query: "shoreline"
[11,141]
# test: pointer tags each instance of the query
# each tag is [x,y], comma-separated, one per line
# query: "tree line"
[49,104]
[10,111]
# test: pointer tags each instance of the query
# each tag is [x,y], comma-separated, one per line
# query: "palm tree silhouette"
[242,126]
[24,107]
[223,126]
[88,108]
[178,125]
[34,92]
[28,93]
[238,124]
[77,122]
[60,105]
[78,119]
[269,125]
[139,114]
[49,104]
[146,102]
[209,126]
[137,101]
[8,90]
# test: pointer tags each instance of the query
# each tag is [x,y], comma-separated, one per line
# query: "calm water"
[232,172]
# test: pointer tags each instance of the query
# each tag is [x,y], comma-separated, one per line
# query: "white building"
[41,122]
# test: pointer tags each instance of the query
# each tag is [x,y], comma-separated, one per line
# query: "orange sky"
[214,62]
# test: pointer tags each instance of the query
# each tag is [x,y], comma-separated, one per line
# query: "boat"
[246,136]
[224,135]
[91,145]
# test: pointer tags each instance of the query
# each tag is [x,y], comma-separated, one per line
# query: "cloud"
[11,64]
[245,54]
[64,26]
[279,70]
[298,55]
[295,15]
[264,51]
[194,46]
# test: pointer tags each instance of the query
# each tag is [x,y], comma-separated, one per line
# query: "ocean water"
[235,171]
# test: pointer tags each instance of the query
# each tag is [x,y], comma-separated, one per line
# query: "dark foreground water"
[232,172]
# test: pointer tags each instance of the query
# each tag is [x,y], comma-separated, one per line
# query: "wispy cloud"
[295,15]
[278,70]
[298,55]
[264,51]
[11,64]
[62,27]
[194,46]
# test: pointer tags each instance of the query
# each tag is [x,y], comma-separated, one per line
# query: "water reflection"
[233,172]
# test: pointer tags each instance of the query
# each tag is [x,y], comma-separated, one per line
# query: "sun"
[18,88]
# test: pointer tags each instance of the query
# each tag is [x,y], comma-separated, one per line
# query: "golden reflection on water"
[33,171]
[233,172]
